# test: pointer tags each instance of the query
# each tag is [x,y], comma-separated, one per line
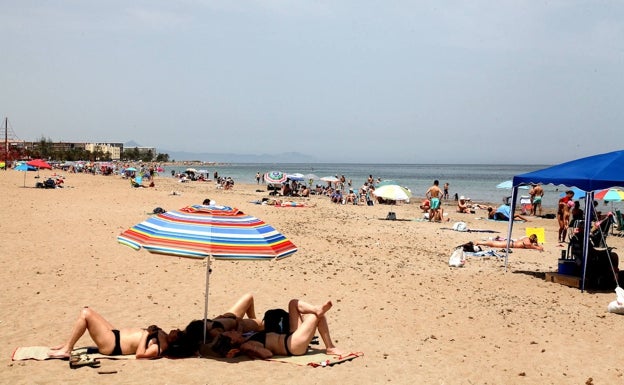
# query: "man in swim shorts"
[536,193]
[434,194]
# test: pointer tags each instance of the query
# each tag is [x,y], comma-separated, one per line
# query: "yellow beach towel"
[539,231]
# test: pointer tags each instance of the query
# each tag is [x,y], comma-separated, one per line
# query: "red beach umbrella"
[39,163]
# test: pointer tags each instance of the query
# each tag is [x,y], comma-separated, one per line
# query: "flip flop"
[79,361]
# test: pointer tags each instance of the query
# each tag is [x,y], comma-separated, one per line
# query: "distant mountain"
[286,157]
[131,144]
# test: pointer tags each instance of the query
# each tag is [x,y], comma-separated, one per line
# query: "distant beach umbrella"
[296,176]
[218,232]
[275,177]
[311,177]
[40,163]
[578,193]
[393,192]
[508,184]
[331,179]
[610,195]
[24,168]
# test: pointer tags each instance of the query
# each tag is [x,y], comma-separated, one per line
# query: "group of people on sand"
[238,331]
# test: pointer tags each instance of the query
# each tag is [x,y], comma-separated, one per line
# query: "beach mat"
[40,353]
[539,231]
[316,358]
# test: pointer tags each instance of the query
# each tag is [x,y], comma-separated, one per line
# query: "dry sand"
[395,298]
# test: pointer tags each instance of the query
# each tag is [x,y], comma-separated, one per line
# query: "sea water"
[475,181]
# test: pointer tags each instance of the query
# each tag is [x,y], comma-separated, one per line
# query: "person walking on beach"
[258,177]
[434,194]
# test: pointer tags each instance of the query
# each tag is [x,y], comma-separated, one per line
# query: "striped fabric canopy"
[200,231]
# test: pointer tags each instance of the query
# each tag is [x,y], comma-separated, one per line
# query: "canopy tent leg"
[514,197]
[589,208]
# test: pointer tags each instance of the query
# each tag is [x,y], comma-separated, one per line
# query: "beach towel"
[484,253]
[316,358]
[470,230]
[40,353]
[539,231]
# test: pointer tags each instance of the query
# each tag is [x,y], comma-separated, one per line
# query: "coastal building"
[114,149]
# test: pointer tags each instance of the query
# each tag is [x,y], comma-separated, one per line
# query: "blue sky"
[346,81]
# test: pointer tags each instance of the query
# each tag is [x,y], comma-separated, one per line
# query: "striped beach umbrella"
[218,232]
[275,177]
[610,195]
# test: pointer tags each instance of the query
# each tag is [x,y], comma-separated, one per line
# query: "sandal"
[79,361]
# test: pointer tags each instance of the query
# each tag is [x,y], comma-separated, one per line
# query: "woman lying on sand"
[144,343]
[230,320]
[522,243]
[304,320]
[190,340]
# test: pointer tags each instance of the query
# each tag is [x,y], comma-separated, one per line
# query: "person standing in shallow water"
[258,178]
[446,191]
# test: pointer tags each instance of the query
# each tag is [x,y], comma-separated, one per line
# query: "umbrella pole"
[206,299]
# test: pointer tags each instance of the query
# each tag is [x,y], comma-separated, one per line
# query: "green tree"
[162,158]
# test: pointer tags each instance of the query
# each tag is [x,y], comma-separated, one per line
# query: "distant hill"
[286,157]
[131,144]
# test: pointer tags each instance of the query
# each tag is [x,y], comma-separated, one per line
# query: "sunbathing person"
[281,203]
[502,213]
[144,343]
[233,318]
[522,243]
[304,320]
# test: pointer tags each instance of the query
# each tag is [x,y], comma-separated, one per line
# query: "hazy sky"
[521,81]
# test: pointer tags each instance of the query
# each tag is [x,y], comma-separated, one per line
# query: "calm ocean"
[475,181]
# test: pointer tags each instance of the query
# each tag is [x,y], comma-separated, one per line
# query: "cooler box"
[567,267]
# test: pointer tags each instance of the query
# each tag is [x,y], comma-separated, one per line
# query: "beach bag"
[617,306]
[391,216]
[276,321]
[458,258]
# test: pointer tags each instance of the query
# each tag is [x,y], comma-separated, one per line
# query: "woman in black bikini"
[523,243]
[304,320]
[144,343]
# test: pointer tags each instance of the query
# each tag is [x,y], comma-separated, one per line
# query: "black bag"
[276,321]
[391,216]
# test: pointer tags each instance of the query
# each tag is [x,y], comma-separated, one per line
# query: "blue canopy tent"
[588,174]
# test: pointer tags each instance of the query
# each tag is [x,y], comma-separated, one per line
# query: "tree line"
[44,148]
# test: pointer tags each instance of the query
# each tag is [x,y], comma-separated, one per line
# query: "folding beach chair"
[598,236]
[525,204]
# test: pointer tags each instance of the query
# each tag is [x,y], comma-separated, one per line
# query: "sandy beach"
[395,298]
